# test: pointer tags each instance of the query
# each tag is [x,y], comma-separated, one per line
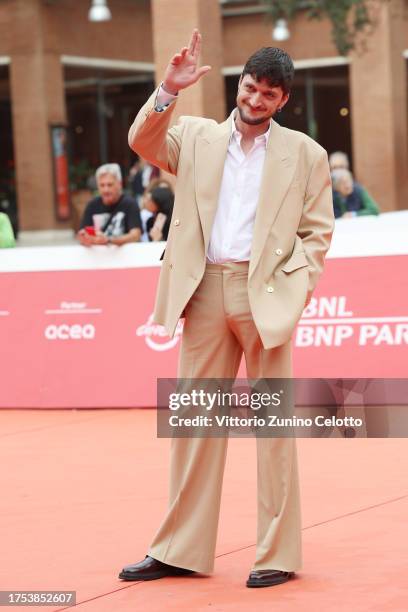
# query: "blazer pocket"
[298,260]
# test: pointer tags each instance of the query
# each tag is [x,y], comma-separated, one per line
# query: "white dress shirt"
[231,234]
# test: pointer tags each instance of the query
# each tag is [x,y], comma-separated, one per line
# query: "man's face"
[110,188]
[345,186]
[338,162]
[257,101]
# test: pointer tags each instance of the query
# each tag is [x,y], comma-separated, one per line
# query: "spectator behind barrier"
[111,217]
[160,203]
[339,160]
[141,174]
[349,198]
[145,213]
[6,232]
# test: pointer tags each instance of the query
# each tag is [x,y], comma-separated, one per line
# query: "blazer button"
[177,222]
[270,289]
[278,251]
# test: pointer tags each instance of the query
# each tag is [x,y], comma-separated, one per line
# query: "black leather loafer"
[265,578]
[151,569]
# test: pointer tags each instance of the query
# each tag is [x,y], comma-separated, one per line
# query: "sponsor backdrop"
[84,338]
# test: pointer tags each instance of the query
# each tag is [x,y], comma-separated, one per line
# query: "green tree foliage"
[348,17]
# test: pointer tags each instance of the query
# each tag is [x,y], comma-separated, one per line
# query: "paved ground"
[82,493]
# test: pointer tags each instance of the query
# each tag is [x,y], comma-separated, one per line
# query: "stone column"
[173,22]
[379,109]
[37,93]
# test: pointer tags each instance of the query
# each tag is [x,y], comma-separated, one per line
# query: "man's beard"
[248,121]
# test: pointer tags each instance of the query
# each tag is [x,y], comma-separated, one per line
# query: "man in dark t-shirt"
[111,217]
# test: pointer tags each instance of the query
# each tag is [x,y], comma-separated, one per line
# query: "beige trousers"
[218,329]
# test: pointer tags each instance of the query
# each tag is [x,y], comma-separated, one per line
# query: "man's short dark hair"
[272,64]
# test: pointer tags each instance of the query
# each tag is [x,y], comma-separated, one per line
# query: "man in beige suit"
[252,222]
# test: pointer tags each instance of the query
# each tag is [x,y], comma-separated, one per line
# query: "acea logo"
[156,336]
[70,332]
[73,331]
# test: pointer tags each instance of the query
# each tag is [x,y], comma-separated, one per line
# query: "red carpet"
[83,492]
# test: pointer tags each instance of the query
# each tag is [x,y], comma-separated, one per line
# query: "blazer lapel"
[210,153]
[277,176]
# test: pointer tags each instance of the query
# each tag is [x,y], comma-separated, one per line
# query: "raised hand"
[182,70]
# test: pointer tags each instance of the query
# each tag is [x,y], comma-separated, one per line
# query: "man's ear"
[284,100]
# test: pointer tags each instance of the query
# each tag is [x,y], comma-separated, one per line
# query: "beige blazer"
[293,225]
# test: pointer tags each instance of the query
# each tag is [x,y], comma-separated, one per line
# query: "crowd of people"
[141,211]
[350,199]
[142,214]
[149,206]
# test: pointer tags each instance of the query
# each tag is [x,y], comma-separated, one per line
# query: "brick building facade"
[59,69]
